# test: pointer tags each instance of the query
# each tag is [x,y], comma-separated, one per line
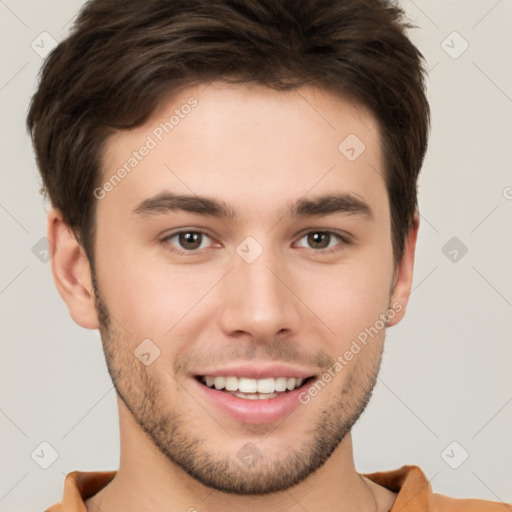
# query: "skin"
[257,149]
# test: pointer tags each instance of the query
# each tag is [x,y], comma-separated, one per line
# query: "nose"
[259,301]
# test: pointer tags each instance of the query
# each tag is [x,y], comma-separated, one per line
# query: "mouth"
[254,393]
[254,389]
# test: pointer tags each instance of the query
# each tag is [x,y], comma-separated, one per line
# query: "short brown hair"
[122,57]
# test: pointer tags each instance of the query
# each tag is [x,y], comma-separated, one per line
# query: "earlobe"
[404,274]
[71,271]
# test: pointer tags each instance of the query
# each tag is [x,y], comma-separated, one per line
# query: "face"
[249,283]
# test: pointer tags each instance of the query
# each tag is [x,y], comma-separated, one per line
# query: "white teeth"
[219,382]
[266,385]
[281,384]
[250,396]
[259,388]
[247,385]
[265,396]
[231,383]
[256,396]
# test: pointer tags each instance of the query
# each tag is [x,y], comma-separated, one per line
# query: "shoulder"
[441,503]
[414,492]
[80,485]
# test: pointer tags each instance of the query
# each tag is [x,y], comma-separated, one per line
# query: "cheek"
[150,297]
[350,297]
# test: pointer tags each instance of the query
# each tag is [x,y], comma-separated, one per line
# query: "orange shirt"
[414,492]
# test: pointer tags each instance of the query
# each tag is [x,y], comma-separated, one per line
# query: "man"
[234,208]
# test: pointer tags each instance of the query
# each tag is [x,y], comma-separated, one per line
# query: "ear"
[404,272]
[71,271]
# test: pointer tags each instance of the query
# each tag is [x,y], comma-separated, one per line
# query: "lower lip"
[254,411]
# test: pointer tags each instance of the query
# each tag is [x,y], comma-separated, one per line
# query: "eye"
[191,241]
[321,240]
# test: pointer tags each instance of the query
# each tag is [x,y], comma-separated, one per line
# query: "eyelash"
[343,238]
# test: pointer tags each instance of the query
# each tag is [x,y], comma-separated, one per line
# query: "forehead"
[249,144]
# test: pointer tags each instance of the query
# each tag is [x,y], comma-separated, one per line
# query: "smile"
[253,389]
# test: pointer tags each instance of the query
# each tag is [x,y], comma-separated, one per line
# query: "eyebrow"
[347,203]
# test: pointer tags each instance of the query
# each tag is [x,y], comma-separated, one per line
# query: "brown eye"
[187,241]
[323,240]
[190,240]
[319,240]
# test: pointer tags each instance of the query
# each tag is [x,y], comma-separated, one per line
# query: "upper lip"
[255,371]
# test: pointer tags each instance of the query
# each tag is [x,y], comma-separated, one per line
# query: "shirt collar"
[409,482]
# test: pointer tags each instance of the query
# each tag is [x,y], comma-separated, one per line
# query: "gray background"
[446,370]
